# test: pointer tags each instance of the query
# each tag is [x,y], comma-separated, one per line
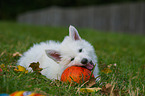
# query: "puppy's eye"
[80,50]
[72,59]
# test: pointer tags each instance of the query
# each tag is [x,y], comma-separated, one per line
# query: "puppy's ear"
[73,33]
[53,54]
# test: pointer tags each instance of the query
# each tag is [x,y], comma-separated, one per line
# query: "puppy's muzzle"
[87,64]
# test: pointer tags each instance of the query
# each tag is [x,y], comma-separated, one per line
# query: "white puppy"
[54,57]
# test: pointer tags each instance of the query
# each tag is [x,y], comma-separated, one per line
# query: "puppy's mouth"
[89,66]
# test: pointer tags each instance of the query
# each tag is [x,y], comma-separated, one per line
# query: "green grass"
[127,51]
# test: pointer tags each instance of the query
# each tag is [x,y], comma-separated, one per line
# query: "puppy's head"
[74,51]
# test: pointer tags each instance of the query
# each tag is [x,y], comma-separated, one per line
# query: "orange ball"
[76,74]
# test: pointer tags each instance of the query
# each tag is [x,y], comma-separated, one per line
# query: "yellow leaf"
[106,70]
[21,69]
[2,66]
[89,90]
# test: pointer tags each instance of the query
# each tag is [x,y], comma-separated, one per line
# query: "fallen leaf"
[21,69]
[108,85]
[91,82]
[106,70]
[106,89]
[109,89]
[35,67]
[2,66]
[17,54]
[89,90]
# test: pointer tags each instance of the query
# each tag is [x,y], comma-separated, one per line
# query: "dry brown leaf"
[106,89]
[109,89]
[108,85]
[91,82]
[17,54]
[35,67]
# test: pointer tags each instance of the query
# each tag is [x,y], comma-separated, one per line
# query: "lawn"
[122,55]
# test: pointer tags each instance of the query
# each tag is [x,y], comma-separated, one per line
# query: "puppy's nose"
[84,61]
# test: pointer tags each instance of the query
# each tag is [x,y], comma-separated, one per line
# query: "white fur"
[68,49]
